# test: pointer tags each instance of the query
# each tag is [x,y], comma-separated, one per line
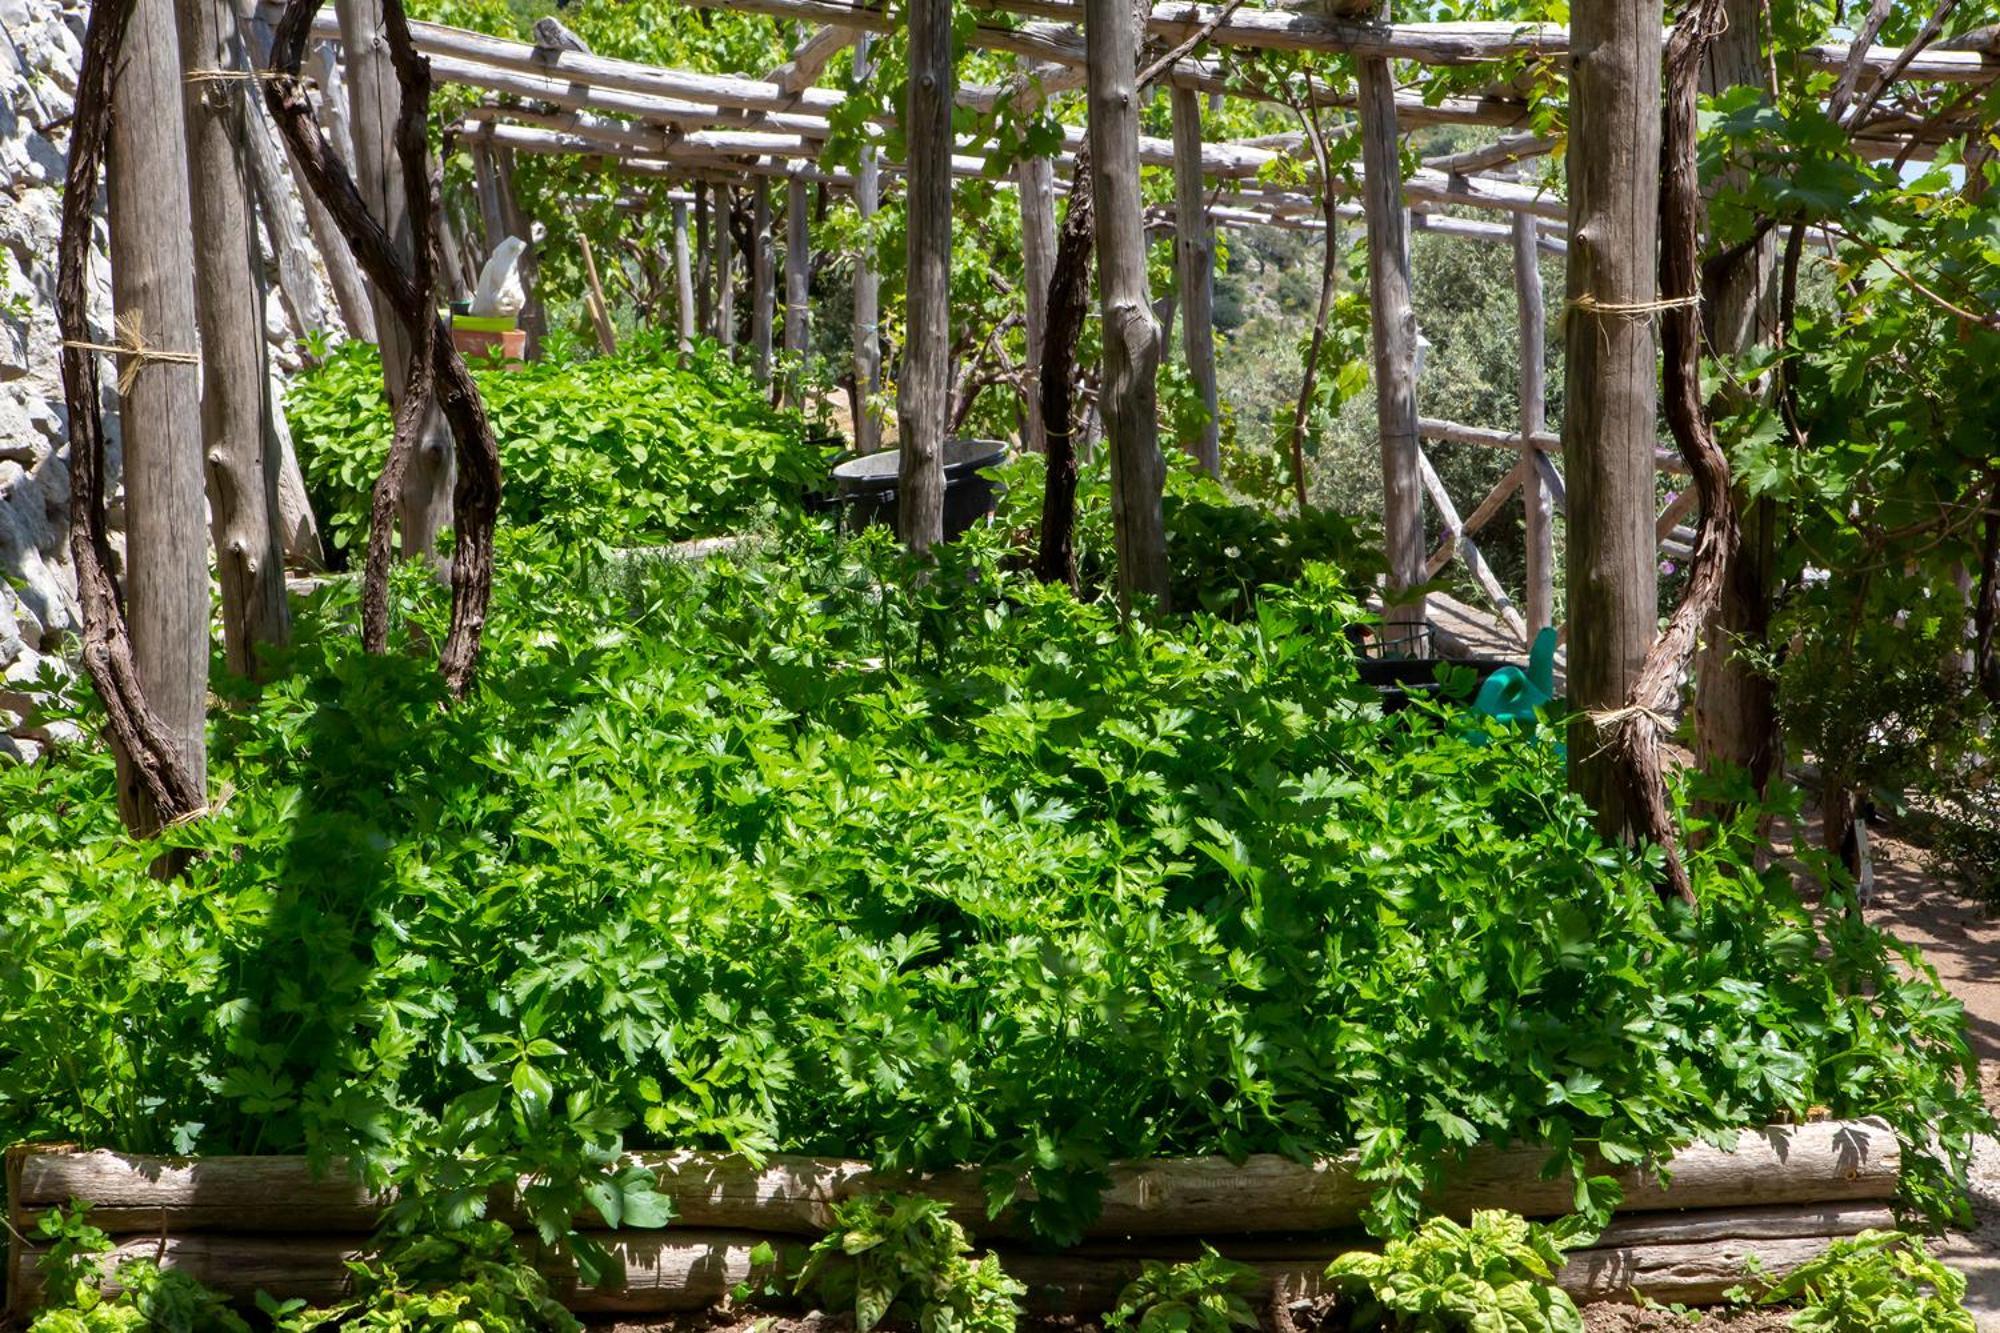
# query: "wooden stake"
[798,273]
[684,309]
[1610,416]
[867,334]
[922,398]
[600,313]
[1532,323]
[1195,255]
[152,289]
[704,294]
[229,308]
[763,288]
[725,265]
[1035,184]
[1393,326]
[423,508]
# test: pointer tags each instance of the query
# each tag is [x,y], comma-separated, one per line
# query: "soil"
[1605,1318]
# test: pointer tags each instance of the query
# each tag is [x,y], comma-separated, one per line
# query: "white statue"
[500,290]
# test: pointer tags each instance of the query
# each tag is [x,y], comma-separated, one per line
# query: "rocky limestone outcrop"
[39,62]
[41,57]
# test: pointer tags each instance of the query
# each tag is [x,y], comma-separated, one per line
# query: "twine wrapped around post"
[138,353]
[1590,305]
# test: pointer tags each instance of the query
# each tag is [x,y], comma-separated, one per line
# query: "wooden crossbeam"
[802,71]
[1459,542]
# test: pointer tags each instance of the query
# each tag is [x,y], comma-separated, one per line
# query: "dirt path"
[1963,943]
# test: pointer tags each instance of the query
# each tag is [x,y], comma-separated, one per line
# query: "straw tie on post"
[1590,305]
[1607,721]
[138,353]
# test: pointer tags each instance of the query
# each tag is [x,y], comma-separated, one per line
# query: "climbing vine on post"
[441,373]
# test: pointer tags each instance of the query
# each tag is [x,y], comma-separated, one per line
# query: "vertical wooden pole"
[1532,321]
[867,335]
[1393,325]
[1735,705]
[763,287]
[1194,255]
[798,272]
[423,509]
[600,311]
[1034,179]
[1610,415]
[486,183]
[152,291]
[1129,395]
[704,297]
[683,278]
[924,386]
[229,307]
[725,263]
[350,288]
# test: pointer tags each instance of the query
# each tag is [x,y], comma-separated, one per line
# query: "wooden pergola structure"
[726,133]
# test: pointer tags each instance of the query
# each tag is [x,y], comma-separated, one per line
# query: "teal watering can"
[1512,695]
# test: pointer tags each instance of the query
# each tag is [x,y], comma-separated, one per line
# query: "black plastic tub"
[866,486]
[1400,679]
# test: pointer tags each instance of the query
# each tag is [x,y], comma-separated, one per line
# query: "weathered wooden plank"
[1821,1163]
[1531,322]
[686,1269]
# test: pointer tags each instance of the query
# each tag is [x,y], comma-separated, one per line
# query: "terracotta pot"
[478,344]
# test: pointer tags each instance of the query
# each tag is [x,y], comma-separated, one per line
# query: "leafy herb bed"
[814,856]
[641,447]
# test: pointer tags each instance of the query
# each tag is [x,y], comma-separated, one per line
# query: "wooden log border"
[241,1223]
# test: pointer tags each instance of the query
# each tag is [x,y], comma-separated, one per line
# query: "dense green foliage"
[632,448]
[1206,1294]
[811,855]
[472,1279]
[1496,1275]
[148,1299]
[1876,1282]
[901,1256]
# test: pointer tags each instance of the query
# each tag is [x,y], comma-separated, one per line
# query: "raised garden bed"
[244,1223]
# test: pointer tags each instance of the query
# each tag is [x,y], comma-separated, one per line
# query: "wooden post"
[1735,705]
[683,278]
[229,307]
[600,313]
[1129,395]
[725,262]
[1035,183]
[704,312]
[1194,256]
[1610,411]
[867,335]
[798,272]
[923,389]
[152,291]
[424,507]
[455,284]
[1532,321]
[763,288]
[487,185]
[1393,325]
[357,304]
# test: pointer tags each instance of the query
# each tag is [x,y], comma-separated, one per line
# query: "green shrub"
[1876,1282]
[802,854]
[472,1279]
[621,450]
[143,1297]
[1495,1276]
[1209,1294]
[901,1254]
[1221,548]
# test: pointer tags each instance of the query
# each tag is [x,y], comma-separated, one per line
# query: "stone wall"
[40,57]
